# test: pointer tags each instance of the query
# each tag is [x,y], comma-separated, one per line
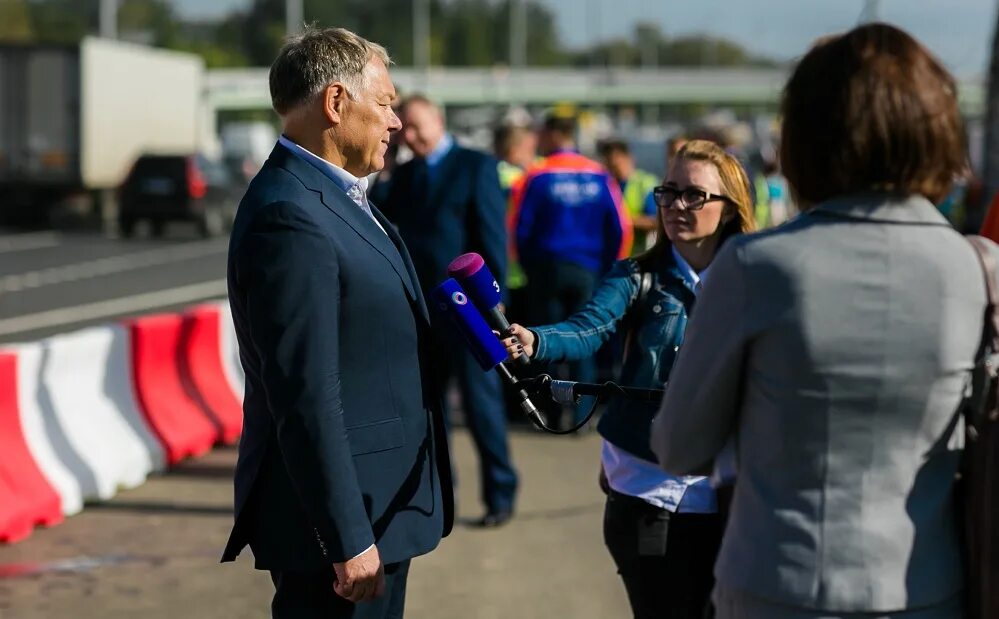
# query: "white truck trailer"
[73,119]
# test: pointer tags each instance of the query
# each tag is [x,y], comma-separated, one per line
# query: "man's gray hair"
[311,61]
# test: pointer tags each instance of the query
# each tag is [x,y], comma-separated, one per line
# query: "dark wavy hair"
[871,109]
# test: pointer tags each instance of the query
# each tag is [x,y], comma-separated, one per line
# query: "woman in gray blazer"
[835,351]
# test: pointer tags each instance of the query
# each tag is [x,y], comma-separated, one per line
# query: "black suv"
[164,188]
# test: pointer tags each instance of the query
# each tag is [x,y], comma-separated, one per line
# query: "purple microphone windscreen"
[449,299]
[475,277]
[465,265]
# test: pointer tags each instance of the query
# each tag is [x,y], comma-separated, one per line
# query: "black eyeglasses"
[692,198]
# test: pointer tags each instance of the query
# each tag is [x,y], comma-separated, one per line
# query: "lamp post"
[870,12]
[109,19]
[294,16]
[421,40]
[518,46]
[650,61]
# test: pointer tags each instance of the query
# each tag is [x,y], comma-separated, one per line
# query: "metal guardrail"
[231,89]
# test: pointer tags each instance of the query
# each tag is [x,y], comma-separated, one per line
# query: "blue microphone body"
[483,288]
[449,299]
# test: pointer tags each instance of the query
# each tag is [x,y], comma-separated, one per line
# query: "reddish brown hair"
[871,109]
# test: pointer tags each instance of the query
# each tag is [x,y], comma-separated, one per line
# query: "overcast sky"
[958,31]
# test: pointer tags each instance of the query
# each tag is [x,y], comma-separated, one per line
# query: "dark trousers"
[310,595]
[665,559]
[486,417]
[557,290]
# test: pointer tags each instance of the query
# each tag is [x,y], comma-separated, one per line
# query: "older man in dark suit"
[343,472]
[447,201]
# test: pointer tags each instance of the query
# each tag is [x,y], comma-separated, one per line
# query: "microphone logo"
[459,298]
[496,285]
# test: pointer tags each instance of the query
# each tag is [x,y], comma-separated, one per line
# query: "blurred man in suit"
[447,201]
[343,473]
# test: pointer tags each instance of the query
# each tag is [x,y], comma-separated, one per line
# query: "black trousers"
[665,559]
[310,595]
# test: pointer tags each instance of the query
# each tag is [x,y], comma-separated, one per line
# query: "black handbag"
[978,483]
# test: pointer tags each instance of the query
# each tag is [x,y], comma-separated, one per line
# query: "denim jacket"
[655,332]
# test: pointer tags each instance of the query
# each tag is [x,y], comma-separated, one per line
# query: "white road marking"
[110,266]
[113,307]
[24,242]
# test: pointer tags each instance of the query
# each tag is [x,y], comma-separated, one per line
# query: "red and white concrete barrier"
[85,414]
[26,497]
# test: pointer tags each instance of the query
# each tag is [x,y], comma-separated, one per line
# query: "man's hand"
[361,578]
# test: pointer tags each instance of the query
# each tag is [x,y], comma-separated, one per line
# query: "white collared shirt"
[695,279]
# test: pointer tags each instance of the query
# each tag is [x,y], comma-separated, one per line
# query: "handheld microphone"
[449,298]
[477,280]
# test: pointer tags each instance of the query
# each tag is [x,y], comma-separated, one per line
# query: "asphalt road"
[152,552]
[53,281]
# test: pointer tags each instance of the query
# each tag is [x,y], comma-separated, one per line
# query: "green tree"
[705,50]
[543,45]
[260,30]
[15,21]
[62,21]
[467,35]
[463,32]
[647,45]
[216,56]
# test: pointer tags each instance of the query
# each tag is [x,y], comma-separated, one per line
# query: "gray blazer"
[836,350]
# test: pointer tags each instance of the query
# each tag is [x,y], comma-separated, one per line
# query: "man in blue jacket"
[343,473]
[448,201]
[570,226]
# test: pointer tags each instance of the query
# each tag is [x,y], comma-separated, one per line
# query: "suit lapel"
[353,216]
[407,261]
[336,200]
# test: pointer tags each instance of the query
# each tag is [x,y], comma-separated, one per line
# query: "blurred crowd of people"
[569,215]
[522,147]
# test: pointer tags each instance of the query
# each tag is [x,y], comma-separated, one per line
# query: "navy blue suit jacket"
[460,209]
[343,442]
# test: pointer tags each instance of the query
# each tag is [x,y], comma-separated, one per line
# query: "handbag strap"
[981,411]
[990,336]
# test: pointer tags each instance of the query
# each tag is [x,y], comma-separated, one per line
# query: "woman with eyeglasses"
[663,531]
